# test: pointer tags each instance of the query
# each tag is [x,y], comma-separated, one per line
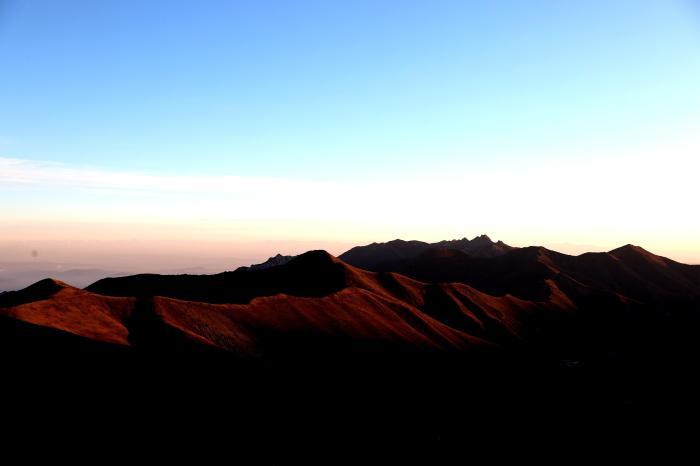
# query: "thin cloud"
[29,172]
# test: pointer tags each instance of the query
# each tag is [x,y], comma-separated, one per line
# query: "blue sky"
[347,92]
[317,88]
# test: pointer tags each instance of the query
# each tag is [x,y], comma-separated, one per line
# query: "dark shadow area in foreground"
[289,408]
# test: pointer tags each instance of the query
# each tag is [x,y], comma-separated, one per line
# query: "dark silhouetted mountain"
[440,300]
[528,334]
[629,273]
[377,253]
[374,255]
[317,301]
[314,273]
[481,246]
[313,304]
[279,259]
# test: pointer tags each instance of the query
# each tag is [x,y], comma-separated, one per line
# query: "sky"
[236,129]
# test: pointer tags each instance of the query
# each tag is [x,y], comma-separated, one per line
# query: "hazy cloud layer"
[649,199]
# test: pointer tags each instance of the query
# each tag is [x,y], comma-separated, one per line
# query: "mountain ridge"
[374,254]
[386,316]
[273,261]
[443,299]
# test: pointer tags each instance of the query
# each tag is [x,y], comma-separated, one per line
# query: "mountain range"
[457,344]
[401,297]
[375,255]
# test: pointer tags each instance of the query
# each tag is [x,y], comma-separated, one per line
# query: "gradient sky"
[570,124]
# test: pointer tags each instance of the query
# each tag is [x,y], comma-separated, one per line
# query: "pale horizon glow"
[600,205]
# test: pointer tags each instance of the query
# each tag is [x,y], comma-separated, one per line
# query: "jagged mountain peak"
[375,254]
[273,261]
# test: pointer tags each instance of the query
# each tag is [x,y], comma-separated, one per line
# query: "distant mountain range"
[279,259]
[451,296]
[629,271]
[375,255]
